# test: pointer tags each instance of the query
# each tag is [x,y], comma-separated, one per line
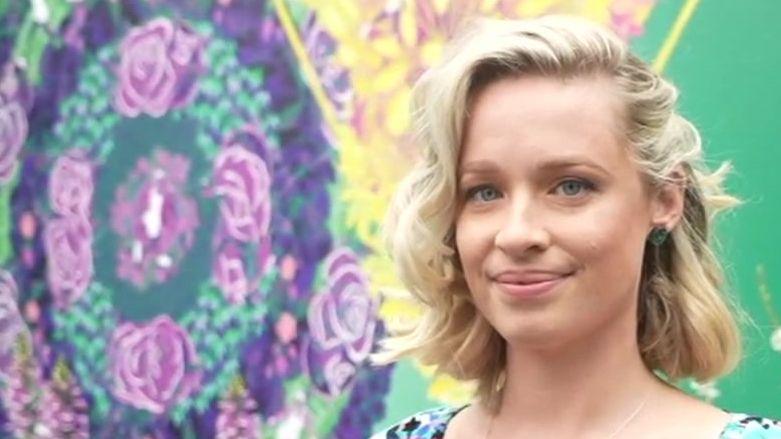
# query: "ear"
[667,200]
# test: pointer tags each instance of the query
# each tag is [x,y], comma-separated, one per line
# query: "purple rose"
[242,179]
[236,269]
[11,323]
[159,67]
[153,364]
[321,47]
[68,244]
[14,97]
[230,274]
[71,186]
[341,323]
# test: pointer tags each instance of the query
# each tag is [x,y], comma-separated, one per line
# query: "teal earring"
[658,236]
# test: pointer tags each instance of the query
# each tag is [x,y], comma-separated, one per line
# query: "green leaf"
[256,77]
[244,101]
[233,123]
[93,351]
[224,105]
[6,249]
[206,360]
[32,37]
[301,383]
[101,405]
[58,11]
[206,145]
[81,369]
[233,337]
[89,323]
[187,320]
[210,87]
[223,317]
[99,104]
[327,412]
[220,350]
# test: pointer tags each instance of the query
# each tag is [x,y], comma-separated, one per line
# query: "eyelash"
[586,185]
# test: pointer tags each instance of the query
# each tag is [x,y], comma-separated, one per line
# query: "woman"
[556,233]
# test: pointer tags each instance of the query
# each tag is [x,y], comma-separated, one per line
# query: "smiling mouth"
[527,288]
[528,277]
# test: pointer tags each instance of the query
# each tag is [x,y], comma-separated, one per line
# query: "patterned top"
[431,424]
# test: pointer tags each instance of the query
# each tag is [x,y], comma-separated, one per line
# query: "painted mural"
[191,195]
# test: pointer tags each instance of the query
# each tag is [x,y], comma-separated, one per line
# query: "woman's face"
[553,215]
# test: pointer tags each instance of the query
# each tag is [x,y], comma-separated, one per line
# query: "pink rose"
[242,179]
[71,186]
[342,323]
[68,245]
[13,132]
[236,269]
[229,274]
[15,99]
[11,322]
[153,364]
[159,67]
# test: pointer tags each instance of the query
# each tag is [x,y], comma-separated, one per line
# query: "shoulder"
[743,426]
[427,424]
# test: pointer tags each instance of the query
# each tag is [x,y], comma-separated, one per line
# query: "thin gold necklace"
[618,430]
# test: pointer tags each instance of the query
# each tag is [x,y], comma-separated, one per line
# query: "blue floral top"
[431,424]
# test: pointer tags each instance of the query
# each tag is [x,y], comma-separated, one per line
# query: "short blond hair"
[686,324]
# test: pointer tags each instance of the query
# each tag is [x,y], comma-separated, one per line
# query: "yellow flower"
[385,46]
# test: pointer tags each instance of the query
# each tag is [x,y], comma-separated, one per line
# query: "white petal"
[775,339]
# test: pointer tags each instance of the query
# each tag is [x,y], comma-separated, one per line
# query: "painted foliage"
[190,200]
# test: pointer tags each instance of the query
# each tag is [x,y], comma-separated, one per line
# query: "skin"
[551,186]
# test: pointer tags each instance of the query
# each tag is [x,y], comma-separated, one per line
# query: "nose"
[522,230]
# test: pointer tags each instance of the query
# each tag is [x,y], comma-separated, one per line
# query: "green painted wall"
[727,67]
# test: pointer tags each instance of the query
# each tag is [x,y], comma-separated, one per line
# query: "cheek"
[608,242]
[472,243]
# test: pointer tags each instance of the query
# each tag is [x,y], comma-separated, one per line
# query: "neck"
[585,385]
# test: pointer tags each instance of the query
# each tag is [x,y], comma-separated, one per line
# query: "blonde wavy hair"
[686,325]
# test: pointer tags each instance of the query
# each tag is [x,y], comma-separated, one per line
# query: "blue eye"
[573,187]
[482,193]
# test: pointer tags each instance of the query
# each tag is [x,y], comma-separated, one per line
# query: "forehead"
[533,119]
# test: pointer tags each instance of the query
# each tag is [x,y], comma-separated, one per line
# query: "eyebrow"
[489,166]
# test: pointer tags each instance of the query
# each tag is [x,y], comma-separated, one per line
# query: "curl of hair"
[686,325]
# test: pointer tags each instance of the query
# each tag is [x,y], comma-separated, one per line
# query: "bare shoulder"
[687,416]
[470,422]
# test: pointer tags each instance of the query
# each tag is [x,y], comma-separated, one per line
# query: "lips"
[528,277]
[529,285]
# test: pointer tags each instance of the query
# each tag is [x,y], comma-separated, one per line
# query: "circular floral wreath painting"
[169,226]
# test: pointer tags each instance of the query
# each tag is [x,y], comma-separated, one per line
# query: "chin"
[531,334]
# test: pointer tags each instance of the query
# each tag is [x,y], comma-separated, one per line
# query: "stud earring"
[658,236]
